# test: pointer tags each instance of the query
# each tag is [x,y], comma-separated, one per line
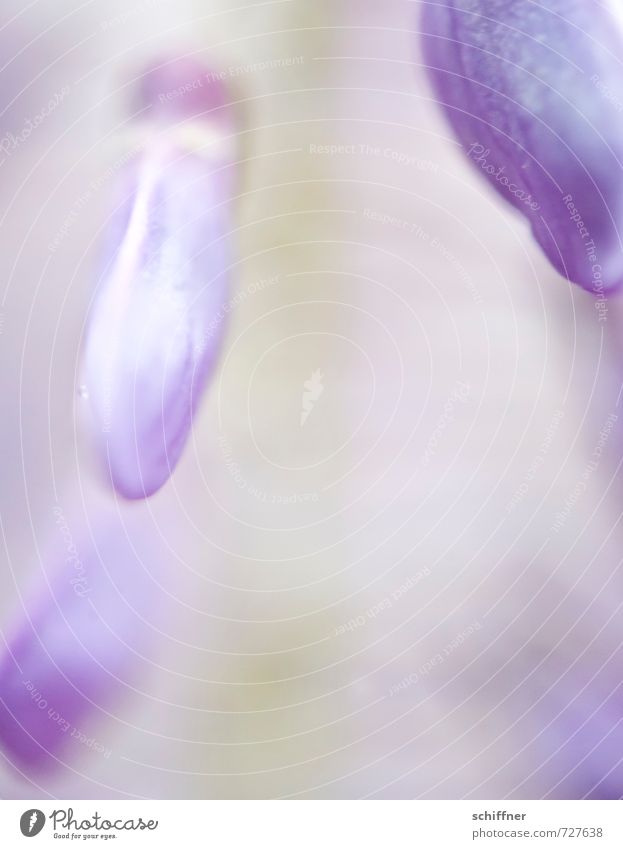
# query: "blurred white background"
[380,601]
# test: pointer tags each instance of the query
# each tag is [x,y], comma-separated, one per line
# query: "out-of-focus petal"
[78,642]
[158,319]
[534,94]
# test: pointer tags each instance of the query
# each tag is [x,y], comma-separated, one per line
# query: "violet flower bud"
[78,642]
[530,89]
[158,317]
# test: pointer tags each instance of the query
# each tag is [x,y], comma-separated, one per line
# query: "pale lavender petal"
[157,323]
[534,93]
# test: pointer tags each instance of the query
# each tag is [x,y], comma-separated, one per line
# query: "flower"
[576,736]
[151,343]
[530,91]
[78,639]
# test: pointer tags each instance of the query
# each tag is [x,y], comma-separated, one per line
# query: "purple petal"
[157,323]
[77,643]
[530,91]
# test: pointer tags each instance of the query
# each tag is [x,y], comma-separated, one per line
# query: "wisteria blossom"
[151,342]
[530,89]
[389,562]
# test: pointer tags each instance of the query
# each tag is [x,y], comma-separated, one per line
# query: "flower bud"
[156,324]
